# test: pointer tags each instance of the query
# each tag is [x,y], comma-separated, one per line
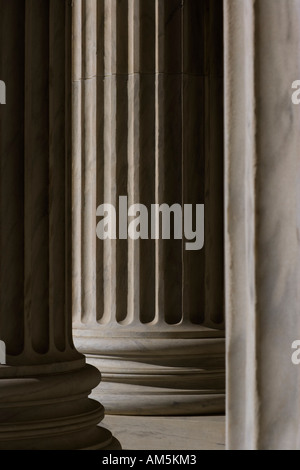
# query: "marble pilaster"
[262,209]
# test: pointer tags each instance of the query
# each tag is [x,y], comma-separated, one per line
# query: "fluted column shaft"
[45,384]
[149,313]
[262,41]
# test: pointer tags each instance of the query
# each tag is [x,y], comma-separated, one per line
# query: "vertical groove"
[193,151]
[171,78]
[100,116]
[89,164]
[36,176]
[12,176]
[57,266]
[159,151]
[76,160]
[133,313]
[122,152]
[67,44]
[110,194]
[214,166]
[147,154]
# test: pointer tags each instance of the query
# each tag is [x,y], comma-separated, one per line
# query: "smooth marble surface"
[262,206]
[160,376]
[165,433]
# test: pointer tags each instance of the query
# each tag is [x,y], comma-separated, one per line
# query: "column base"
[50,410]
[161,376]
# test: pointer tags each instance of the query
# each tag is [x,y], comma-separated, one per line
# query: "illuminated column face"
[262,205]
[45,384]
[148,127]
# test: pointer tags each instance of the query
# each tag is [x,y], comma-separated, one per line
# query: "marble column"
[148,94]
[45,384]
[262,40]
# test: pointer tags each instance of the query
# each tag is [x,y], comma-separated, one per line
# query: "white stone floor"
[168,433]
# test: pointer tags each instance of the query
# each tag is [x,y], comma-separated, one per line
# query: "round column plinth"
[50,410]
[158,376]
